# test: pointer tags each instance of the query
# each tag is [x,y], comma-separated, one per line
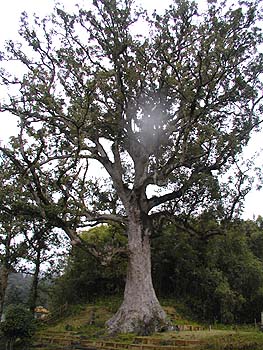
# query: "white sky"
[10,11]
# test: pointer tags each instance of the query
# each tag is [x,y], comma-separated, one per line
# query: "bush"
[19,325]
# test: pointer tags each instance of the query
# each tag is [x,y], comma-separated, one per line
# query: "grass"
[88,320]
[228,340]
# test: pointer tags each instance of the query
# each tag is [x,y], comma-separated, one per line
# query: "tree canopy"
[165,113]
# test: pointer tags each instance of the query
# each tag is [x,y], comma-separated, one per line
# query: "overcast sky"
[10,11]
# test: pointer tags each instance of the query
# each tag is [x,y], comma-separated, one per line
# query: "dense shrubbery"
[220,278]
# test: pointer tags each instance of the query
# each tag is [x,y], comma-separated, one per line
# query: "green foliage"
[19,324]
[88,276]
[220,278]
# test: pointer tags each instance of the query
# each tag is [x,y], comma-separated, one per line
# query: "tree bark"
[3,286]
[34,287]
[140,311]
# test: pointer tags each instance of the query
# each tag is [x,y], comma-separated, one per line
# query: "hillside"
[84,330]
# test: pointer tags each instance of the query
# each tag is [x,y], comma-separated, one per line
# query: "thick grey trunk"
[140,311]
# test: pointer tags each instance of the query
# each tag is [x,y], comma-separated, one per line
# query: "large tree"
[165,104]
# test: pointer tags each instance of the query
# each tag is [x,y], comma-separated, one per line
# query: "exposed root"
[141,320]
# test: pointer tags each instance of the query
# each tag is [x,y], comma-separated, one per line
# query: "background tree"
[88,276]
[45,247]
[12,250]
[219,278]
[18,289]
[25,243]
[165,114]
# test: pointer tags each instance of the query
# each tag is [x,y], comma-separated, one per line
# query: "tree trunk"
[34,287]
[3,286]
[140,311]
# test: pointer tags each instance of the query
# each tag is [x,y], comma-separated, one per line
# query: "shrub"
[19,325]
